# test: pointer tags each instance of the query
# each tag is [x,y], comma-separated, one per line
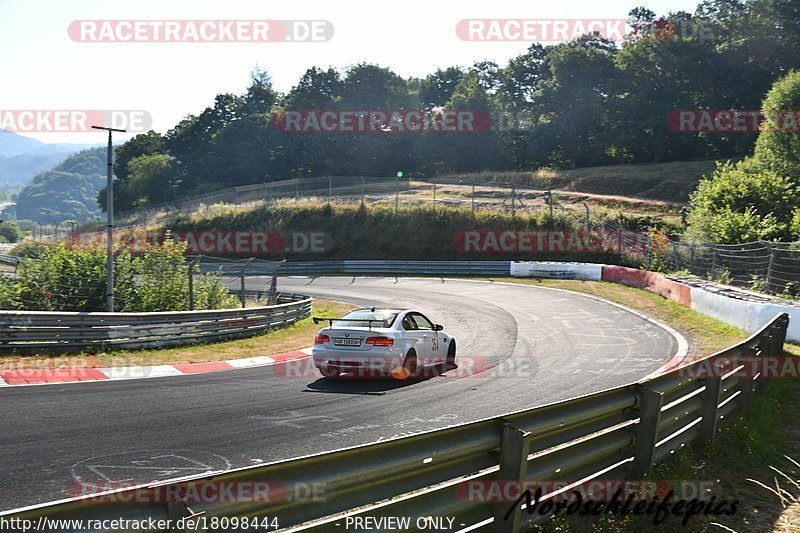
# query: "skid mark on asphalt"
[294,419]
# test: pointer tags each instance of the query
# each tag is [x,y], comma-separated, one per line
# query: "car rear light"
[380,341]
[319,339]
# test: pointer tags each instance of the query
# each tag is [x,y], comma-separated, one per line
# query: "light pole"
[110,227]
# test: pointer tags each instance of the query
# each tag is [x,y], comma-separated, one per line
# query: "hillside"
[68,192]
[665,182]
[21,157]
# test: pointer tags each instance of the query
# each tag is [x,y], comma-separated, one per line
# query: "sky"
[45,69]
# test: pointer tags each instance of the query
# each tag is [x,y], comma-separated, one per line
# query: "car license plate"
[346,342]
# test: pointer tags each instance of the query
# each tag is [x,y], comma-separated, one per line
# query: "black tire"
[451,355]
[410,370]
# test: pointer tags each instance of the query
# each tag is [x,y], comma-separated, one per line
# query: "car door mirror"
[438,327]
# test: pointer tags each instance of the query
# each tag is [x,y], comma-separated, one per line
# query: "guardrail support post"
[746,388]
[708,423]
[649,417]
[513,469]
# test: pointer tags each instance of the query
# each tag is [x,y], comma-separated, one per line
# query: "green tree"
[150,179]
[759,197]
[778,143]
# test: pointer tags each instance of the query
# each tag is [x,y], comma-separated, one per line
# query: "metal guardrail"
[614,434]
[255,267]
[9,259]
[40,331]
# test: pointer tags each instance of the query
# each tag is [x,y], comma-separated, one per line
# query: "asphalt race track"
[518,347]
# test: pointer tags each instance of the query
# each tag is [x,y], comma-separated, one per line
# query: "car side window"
[409,324]
[422,322]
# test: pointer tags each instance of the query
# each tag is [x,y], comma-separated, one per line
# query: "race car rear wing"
[330,321]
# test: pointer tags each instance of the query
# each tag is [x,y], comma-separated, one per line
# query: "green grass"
[658,181]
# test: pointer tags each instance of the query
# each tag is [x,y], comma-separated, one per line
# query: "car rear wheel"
[451,355]
[409,370]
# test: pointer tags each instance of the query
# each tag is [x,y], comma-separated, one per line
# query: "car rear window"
[387,317]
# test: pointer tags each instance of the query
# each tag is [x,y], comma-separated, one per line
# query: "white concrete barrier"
[582,271]
[747,316]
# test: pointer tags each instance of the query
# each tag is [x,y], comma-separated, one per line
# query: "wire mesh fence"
[387,191]
[772,268]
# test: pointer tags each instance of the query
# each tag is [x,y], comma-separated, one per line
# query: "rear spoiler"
[330,321]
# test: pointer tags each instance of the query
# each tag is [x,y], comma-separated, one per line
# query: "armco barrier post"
[746,387]
[514,451]
[650,403]
[784,329]
[707,429]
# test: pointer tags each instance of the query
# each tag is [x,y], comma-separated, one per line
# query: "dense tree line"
[581,103]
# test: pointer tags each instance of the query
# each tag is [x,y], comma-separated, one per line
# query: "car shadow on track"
[352,384]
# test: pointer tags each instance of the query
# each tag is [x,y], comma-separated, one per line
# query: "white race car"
[380,342]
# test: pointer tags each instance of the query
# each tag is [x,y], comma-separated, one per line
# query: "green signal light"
[399,174]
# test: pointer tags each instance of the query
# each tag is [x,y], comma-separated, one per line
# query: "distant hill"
[21,157]
[67,192]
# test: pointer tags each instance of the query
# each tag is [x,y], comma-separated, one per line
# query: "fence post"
[513,200]
[241,288]
[707,429]
[769,267]
[191,284]
[473,200]
[714,261]
[671,261]
[514,451]
[588,224]
[649,418]
[434,197]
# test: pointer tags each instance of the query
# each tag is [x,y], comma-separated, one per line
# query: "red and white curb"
[45,376]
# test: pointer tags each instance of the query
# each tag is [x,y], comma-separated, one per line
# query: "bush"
[10,231]
[744,202]
[29,249]
[74,279]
